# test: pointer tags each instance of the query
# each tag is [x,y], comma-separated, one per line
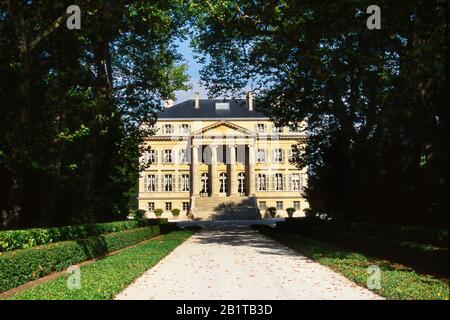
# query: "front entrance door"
[204,184]
[241,184]
[223,190]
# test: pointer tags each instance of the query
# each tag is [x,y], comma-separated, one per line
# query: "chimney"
[250,101]
[197,100]
[168,103]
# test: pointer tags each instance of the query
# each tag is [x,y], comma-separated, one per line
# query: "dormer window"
[222,106]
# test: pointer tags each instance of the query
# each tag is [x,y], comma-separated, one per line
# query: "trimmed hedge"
[22,239]
[428,258]
[22,266]
[420,235]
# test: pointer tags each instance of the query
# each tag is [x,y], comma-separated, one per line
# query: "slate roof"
[207,110]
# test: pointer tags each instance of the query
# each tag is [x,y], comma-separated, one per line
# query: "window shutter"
[284,181]
[273,182]
[145,183]
[290,187]
[266,156]
[156,183]
[180,178]
[283,155]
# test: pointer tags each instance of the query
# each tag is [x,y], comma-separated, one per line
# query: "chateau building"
[220,159]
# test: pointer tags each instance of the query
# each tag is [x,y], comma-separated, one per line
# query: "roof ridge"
[207,109]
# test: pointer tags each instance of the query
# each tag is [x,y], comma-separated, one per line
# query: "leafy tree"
[72,101]
[374,99]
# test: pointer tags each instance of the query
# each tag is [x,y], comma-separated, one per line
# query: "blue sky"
[194,73]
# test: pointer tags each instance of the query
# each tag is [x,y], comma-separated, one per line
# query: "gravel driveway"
[240,263]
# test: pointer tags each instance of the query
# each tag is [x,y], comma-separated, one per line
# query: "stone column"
[195,172]
[232,179]
[214,177]
[251,170]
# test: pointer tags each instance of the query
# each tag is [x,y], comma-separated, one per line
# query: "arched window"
[204,184]
[241,184]
[223,183]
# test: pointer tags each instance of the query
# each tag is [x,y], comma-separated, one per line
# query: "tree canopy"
[374,100]
[71,102]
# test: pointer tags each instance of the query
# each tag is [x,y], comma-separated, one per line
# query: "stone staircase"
[225,208]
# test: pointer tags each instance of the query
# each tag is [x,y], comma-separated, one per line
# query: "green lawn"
[397,282]
[106,278]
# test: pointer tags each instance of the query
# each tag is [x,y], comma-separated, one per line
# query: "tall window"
[151,183]
[184,156]
[168,182]
[168,128]
[204,183]
[262,205]
[167,156]
[297,205]
[295,183]
[260,128]
[241,184]
[168,206]
[223,183]
[277,155]
[151,206]
[184,185]
[279,205]
[261,156]
[151,156]
[261,182]
[292,153]
[278,182]
[185,206]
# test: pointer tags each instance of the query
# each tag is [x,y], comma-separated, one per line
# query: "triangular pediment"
[224,128]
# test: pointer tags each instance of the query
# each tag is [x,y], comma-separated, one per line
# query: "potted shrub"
[272,211]
[175,213]
[290,212]
[158,213]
